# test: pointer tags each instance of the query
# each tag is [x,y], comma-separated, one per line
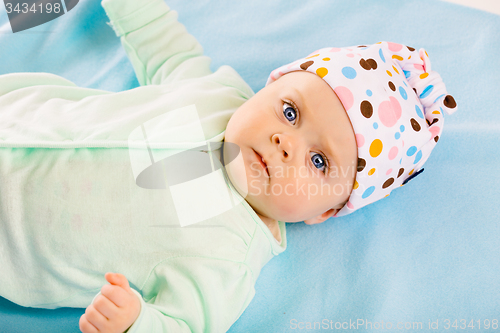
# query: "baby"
[329,134]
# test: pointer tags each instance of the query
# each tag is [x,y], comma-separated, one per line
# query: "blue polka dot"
[368,192]
[397,135]
[402,91]
[426,91]
[402,128]
[419,112]
[369,92]
[412,150]
[439,97]
[381,55]
[401,160]
[407,74]
[405,84]
[349,72]
[418,157]
[375,125]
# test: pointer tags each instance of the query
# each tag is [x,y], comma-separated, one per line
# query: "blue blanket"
[427,254]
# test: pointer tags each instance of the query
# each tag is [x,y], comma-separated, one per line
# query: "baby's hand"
[115,310]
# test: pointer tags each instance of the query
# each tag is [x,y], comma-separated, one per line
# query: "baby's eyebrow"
[332,157]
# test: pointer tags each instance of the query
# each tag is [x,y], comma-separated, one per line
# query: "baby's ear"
[322,217]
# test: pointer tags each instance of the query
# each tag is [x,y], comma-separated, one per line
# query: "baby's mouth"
[262,162]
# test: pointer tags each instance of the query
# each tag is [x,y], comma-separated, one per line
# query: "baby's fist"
[115,310]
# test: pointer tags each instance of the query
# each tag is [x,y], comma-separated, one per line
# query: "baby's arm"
[194,294]
[159,47]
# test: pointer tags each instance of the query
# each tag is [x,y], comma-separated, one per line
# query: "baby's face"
[302,132]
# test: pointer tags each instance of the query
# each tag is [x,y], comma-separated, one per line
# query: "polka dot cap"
[395,103]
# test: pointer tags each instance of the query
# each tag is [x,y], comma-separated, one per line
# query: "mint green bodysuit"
[70,208]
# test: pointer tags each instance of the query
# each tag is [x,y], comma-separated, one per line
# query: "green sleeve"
[158,46]
[193,294]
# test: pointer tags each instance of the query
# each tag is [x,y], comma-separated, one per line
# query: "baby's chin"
[282,214]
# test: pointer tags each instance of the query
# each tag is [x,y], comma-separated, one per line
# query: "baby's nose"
[284,143]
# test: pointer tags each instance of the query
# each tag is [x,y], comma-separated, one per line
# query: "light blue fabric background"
[430,251]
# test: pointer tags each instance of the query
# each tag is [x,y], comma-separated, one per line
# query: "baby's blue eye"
[289,112]
[318,161]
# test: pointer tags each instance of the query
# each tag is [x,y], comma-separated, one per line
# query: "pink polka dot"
[345,96]
[292,64]
[393,152]
[434,130]
[349,204]
[389,112]
[394,47]
[360,139]
[419,67]
[272,75]
[334,49]
[388,172]
[350,55]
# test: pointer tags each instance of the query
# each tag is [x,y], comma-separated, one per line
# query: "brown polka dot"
[368,64]
[449,102]
[415,90]
[364,64]
[306,64]
[361,164]
[400,172]
[366,109]
[372,63]
[415,125]
[361,45]
[410,48]
[435,120]
[436,138]
[388,183]
[392,86]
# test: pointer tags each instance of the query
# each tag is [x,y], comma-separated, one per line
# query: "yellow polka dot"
[386,195]
[371,172]
[424,75]
[390,74]
[426,54]
[326,59]
[436,112]
[395,56]
[356,185]
[322,71]
[409,57]
[379,43]
[395,69]
[376,148]
[411,172]
[312,56]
